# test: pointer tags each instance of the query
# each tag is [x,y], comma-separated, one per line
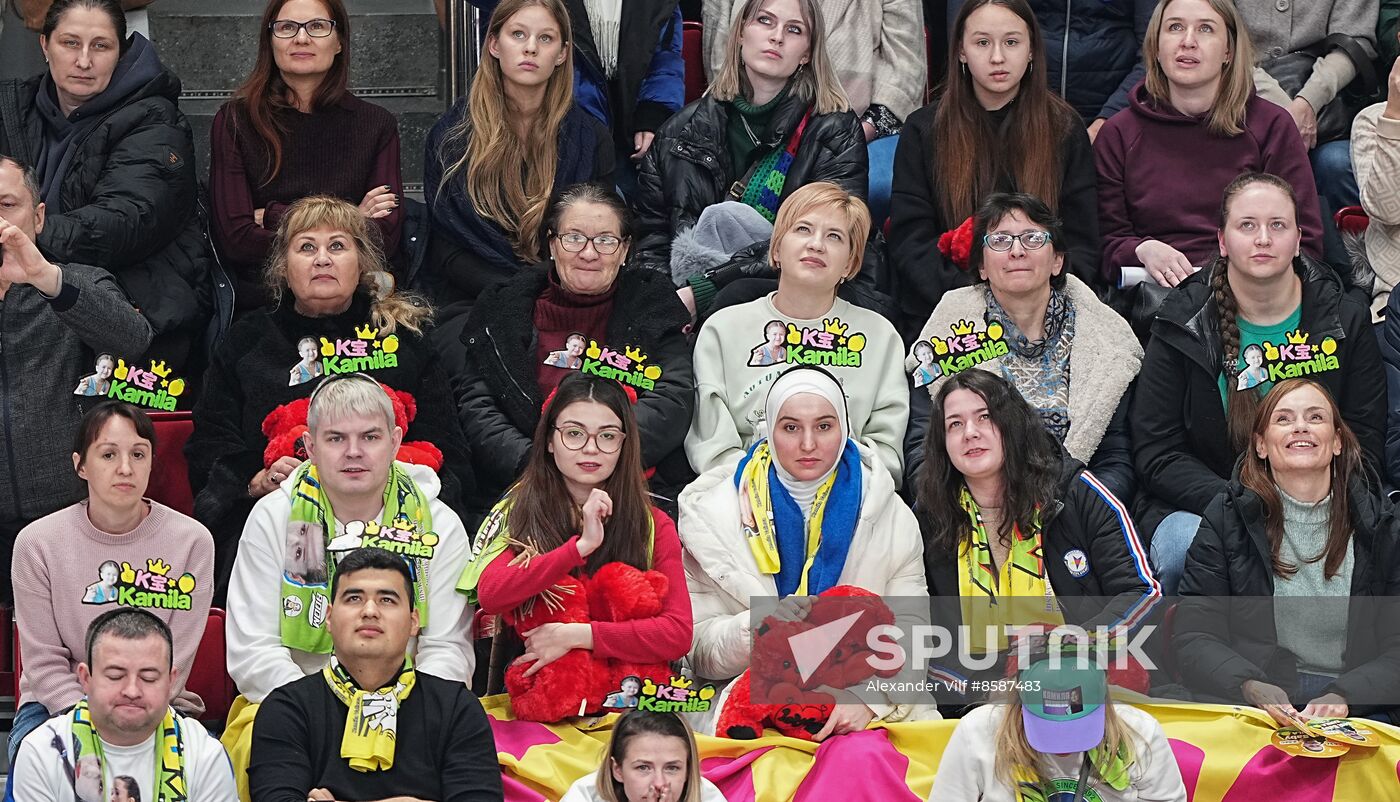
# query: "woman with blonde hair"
[651,758]
[328,281]
[775,119]
[1192,126]
[493,161]
[1058,734]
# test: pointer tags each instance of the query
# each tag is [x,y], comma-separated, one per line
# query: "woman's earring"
[963,65]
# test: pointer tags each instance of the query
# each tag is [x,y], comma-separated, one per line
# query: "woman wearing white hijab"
[806,475]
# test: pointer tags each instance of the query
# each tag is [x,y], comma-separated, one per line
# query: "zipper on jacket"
[9,434]
[1064,53]
[504,370]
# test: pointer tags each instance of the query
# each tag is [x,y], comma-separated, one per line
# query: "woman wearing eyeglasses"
[293,130]
[1069,355]
[583,291]
[579,505]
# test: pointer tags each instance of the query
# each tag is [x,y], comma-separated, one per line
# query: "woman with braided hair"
[1197,391]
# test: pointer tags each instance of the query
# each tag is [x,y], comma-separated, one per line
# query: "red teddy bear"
[285,425]
[772,692]
[580,680]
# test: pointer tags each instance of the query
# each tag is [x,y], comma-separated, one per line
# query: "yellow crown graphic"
[680,682]
[963,327]
[635,354]
[1297,337]
[365,332]
[157,566]
[834,326]
[160,369]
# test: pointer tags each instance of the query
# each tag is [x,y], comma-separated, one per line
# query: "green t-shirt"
[1256,376]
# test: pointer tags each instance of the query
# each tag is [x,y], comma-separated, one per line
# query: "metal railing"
[463,47]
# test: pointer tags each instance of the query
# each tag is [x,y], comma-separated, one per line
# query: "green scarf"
[170,754]
[406,528]
[371,723]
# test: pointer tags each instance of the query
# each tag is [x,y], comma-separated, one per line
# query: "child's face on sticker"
[924,353]
[104,368]
[108,572]
[775,333]
[308,350]
[574,346]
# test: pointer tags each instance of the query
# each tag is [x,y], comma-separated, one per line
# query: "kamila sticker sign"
[364,352]
[828,346]
[966,348]
[152,388]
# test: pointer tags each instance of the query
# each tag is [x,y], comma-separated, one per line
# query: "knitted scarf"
[371,723]
[764,191]
[406,528]
[807,555]
[170,754]
[1017,592]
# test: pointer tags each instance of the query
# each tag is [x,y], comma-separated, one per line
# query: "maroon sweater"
[559,314]
[1162,174]
[343,150]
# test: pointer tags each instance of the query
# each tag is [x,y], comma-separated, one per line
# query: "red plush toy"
[581,679]
[956,245]
[772,692]
[285,425]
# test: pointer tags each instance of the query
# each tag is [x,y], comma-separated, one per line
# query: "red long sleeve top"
[659,639]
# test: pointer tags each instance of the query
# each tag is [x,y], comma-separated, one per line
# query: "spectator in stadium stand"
[1300,532]
[1375,154]
[494,160]
[1093,52]
[1306,55]
[995,127]
[1191,127]
[741,349]
[579,511]
[1260,313]
[349,493]
[650,756]
[809,473]
[877,47]
[1069,355]
[372,725]
[116,168]
[68,314]
[519,340]
[292,130]
[992,554]
[774,119]
[334,310]
[114,548]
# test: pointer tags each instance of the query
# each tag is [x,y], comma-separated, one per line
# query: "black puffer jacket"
[1225,633]
[1101,41]
[688,167]
[498,395]
[129,199]
[1181,437]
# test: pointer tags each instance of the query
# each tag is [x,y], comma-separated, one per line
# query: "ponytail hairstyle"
[389,308]
[642,722]
[544,517]
[487,153]
[1243,404]
[814,83]
[263,96]
[1226,115]
[969,155]
[1257,475]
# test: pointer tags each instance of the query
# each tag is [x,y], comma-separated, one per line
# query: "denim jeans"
[1336,189]
[27,719]
[881,175]
[1170,542]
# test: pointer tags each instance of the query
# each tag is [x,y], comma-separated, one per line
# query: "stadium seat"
[170,474]
[692,52]
[1351,220]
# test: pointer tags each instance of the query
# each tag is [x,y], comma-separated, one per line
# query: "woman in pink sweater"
[116,547]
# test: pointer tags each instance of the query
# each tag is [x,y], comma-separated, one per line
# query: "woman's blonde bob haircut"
[1226,115]
[817,195]
[389,308]
[814,83]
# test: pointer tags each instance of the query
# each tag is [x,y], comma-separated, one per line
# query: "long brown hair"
[1243,404]
[1257,475]
[263,97]
[815,83]
[969,155]
[642,722]
[509,179]
[543,515]
[1226,116]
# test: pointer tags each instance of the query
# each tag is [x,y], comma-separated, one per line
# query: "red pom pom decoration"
[956,245]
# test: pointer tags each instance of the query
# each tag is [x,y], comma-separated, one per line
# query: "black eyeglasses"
[1031,240]
[606,244]
[576,437]
[286,28]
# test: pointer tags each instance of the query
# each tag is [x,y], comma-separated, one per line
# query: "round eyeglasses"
[605,244]
[576,437]
[1030,240]
[286,28]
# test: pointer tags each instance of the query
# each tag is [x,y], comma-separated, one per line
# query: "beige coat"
[1375,158]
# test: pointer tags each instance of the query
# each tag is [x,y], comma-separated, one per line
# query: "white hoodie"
[257,660]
